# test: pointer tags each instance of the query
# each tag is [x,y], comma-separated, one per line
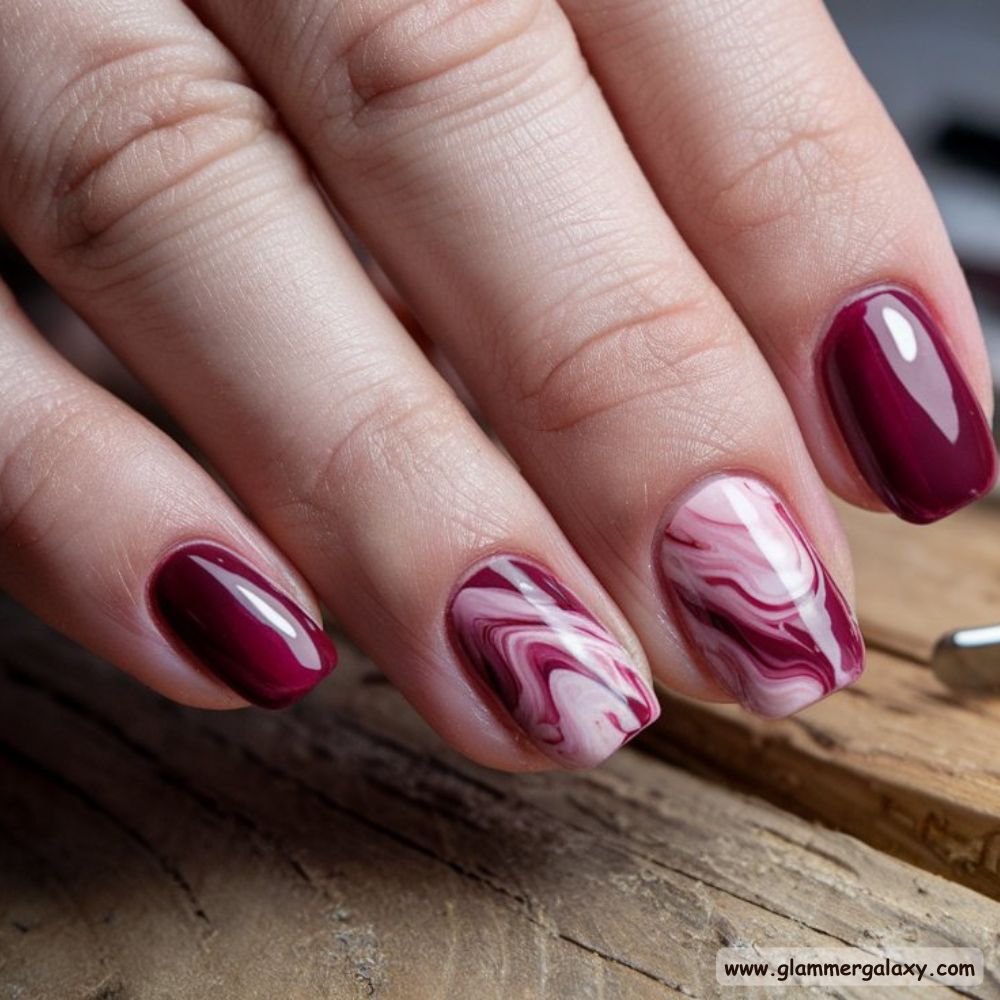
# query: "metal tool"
[969,659]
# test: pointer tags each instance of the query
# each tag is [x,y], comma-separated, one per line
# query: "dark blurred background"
[936,64]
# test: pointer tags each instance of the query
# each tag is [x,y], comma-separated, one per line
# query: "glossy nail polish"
[252,637]
[906,411]
[563,677]
[755,602]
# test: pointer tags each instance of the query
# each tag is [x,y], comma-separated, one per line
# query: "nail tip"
[282,696]
[602,752]
[586,763]
[293,697]
[788,708]
[923,516]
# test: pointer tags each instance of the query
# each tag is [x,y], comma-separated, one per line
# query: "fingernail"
[563,677]
[906,411]
[754,600]
[239,626]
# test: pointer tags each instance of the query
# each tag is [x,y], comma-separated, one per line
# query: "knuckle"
[129,131]
[804,149]
[369,62]
[390,435]
[656,351]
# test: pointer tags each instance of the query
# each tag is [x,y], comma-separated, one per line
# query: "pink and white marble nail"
[563,677]
[757,605]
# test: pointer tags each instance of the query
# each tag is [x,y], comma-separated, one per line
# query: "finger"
[471,151]
[154,189]
[109,532]
[404,314]
[786,177]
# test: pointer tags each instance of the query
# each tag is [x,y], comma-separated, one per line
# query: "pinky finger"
[113,535]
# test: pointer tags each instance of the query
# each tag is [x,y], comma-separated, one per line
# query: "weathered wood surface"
[898,760]
[916,583]
[147,851]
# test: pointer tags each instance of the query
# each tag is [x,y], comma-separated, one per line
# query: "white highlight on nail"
[545,607]
[780,549]
[267,612]
[902,332]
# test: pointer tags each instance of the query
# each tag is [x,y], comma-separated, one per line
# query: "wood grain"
[338,850]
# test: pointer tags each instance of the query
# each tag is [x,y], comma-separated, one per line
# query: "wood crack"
[163,863]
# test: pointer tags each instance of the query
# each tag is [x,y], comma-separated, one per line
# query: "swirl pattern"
[563,677]
[757,604]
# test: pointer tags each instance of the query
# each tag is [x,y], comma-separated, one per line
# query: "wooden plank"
[895,760]
[898,760]
[339,851]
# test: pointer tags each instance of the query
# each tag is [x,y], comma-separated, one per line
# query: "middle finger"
[469,146]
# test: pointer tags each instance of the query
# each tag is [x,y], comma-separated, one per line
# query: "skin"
[628,260]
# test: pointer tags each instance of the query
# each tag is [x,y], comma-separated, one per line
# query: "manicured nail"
[563,677]
[239,626]
[907,413]
[754,600]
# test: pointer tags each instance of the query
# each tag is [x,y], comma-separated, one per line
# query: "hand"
[688,275]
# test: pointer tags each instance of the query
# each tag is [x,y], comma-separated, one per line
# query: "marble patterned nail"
[563,677]
[757,605]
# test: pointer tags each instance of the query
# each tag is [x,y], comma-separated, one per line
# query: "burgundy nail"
[243,629]
[907,413]
[563,676]
[754,600]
